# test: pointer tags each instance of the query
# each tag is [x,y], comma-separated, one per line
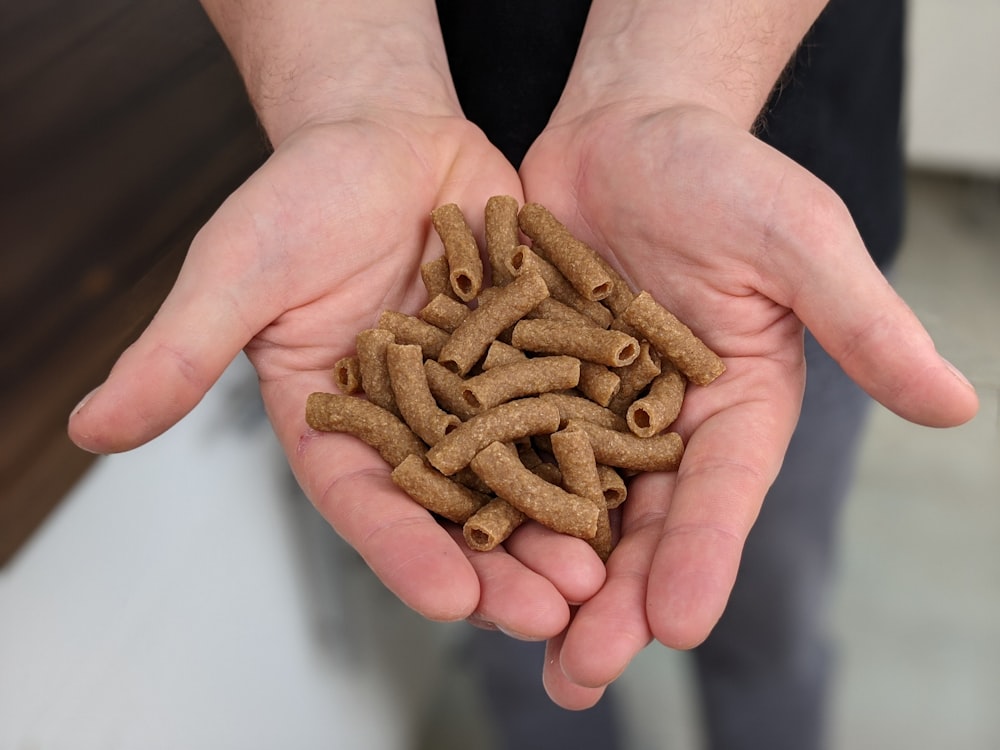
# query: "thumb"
[862,322]
[195,335]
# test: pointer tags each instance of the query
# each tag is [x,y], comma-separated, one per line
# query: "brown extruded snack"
[436,492]
[347,374]
[500,353]
[413,395]
[524,259]
[662,452]
[465,267]
[577,407]
[470,340]
[575,457]
[501,236]
[447,388]
[552,309]
[491,525]
[409,329]
[504,423]
[658,409]
[621,293]
[604,347]
[576,260]
[334,412]
[673,339]
[434,275]
[635,377]
[444,312]
[518,379]
[613,486]
[542,501]
[598,383]
[371,344]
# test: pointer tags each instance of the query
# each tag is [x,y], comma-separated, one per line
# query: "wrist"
[716,54]
[319,61]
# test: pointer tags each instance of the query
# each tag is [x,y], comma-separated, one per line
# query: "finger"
[610,629]
[211,313]
[570,564]
[406,548]
[562,690]
[515,599]
[856,315]
[721,484]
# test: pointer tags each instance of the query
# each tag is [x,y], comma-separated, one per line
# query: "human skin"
[657,172]
[656,167]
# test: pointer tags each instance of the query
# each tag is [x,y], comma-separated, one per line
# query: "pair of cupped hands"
[739,242]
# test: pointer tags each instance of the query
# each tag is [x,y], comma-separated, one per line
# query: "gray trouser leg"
[763,672]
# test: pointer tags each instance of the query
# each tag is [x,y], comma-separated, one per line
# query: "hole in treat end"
[464,283]
[602,290]
[517,260]
[628,353]
[471,400]
[479,538]
[641,418]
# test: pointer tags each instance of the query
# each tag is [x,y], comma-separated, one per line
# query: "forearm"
[723,54]
[312,59]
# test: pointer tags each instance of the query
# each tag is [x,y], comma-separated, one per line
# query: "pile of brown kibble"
[535,397]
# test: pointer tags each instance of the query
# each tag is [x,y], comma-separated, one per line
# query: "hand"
[744,246]
[327,234]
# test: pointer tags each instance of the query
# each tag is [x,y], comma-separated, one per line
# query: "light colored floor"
[207,609]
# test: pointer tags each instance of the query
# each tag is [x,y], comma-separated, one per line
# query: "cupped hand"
[328,233]
[745,247]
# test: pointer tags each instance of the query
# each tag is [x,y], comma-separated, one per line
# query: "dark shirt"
[836,110]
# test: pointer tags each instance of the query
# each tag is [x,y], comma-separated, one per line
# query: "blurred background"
[187,595]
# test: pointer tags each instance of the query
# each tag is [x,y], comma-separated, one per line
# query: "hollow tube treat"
[470,340]
[448,389]
[658,409]
[444,312]
[575,457]
[501,236]
[673,339]
[662,452]
[524,378]
[635,378]
[465,267]
[436,492]
[605,347]
[577,260]
[613,485]
[347,374]
[598,383]
[539,500]
[504,423]
[409,329]
[572,406]
[371,344]
[490,526]
[413,395]
[435,277]
[379,428]
[500,353]
[524,260]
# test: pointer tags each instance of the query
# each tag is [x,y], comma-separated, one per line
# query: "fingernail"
[958,374]
[83,402]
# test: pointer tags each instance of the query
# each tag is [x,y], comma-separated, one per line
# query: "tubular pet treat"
[491,525]
[518,379]
[331,412]
[414,400]
[576,260]
[542,501]
[525,399]
[409,329]
[673,339]
[468,342]
[503,423]
[524,260]
[436,492]
[347,374]
[444,312]
[658,409]
[578,467]
[604,347]
[371,344]
[627,451]
[501,236]
[465,268]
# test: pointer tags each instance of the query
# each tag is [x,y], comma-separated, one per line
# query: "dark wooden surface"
[124,126]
